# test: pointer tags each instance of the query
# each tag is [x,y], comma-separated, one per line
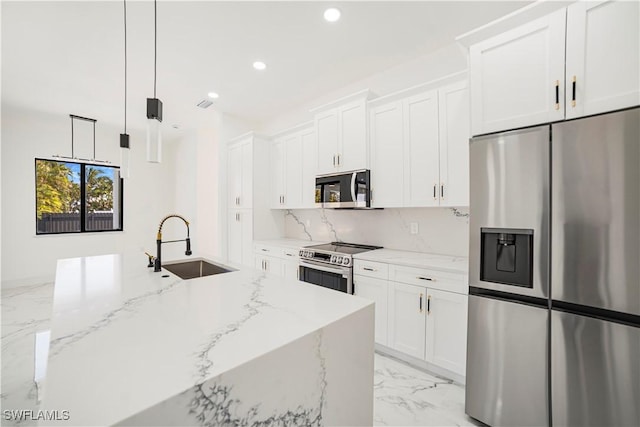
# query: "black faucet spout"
[157,265]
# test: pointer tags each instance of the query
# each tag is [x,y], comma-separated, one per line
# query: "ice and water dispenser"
[507,256]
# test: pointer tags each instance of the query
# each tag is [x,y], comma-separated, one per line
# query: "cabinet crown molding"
[363,94]
[422,87]
[510,21]
[297,128]
[244,136]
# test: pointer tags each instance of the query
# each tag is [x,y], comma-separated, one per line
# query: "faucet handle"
[151,259]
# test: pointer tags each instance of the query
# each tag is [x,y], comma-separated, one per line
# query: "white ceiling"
[68,57]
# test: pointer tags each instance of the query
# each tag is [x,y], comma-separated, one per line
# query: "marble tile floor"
[404,396]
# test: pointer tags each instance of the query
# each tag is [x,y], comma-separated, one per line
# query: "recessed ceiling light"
[213,95]
[259,65]
[332,14]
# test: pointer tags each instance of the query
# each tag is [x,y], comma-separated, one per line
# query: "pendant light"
[124,137]
[154,105]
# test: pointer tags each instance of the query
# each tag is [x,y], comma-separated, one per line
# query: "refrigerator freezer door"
[596,212]
[507,360]
[595,371]
[510,190]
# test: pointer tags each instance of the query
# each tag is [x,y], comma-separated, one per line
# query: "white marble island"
[130,347]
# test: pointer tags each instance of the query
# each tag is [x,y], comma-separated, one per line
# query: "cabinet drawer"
[450,282]
[371,269]
[289,254]
[265,250]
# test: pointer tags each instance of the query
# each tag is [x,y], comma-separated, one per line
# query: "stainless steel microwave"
[344,190]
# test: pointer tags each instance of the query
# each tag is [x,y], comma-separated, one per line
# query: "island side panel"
[323,378]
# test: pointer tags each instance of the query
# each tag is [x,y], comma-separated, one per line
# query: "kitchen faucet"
[158,261]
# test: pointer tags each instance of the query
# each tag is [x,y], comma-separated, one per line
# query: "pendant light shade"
[154,131]
[125,165]
[154,105]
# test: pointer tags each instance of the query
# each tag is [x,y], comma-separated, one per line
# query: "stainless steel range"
[330,265]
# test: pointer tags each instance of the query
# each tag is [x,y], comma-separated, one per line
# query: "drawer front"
[266,250]
[450,282]
[371,269]
[289,254]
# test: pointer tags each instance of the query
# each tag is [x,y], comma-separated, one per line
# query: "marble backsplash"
[440,230]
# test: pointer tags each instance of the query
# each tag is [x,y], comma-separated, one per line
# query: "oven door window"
[323,278]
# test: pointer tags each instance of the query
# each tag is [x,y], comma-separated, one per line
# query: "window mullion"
[83,201]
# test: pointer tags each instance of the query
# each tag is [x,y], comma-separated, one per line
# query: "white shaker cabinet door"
[517,78]
[453,102]
[327,134]
[246,196]
[375,290]
[234,237]
[446,340]
[387,157]
[603,49]
[290,269]
[293,173]
[352,125]
[234,173]
[421,178]
[278,161]
[406,313]
[246,227]
[309,167]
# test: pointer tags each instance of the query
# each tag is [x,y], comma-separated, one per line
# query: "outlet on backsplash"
[414,228]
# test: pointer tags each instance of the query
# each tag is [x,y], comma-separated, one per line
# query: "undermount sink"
[194,269]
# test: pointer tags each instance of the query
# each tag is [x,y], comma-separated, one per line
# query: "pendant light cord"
[125,66]
[155,44]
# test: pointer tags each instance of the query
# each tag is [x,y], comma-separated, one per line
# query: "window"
[77,197]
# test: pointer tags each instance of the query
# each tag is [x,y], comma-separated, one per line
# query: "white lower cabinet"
[406,318]
[240,223]
[419,312]
[446,337]
[375,290]
[269,264]
[276,260]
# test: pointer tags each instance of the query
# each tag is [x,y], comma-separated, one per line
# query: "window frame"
[83,201]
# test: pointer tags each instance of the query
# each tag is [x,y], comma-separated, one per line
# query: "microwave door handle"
[353,187]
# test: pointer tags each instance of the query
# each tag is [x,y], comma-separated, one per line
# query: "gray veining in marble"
[252,308]
[460,213]
[329,225]
[290,213]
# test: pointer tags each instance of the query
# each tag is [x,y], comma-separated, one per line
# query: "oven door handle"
[313,265]
[353,187]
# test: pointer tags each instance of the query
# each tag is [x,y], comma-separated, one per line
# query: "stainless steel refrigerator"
[554,274]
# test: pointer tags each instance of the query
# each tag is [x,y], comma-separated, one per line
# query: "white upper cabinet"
[419,147]
[422,163]
[341,130]
[453,110]
[240,167]
[293,166]
[603,47]
[517,78]
[387,156]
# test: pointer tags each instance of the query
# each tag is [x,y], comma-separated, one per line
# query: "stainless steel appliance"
[554,297]
[330,265]
[344,190]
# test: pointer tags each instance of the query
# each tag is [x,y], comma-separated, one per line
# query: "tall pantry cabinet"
[249,216]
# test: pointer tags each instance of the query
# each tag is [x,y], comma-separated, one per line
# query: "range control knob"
[333,259]
[301,252]
[346,261]
[339,261]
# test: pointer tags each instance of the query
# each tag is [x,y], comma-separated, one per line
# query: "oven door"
[328,276]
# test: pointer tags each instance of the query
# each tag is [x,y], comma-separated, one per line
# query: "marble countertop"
[449,263]
[124,338]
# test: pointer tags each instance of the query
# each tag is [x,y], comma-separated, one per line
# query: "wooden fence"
[68,222]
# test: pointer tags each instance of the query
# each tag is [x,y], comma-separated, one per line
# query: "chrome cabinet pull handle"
[334,160]
[442,191]
[425,278]
[428,304]
[369,269]
[338,159]
[573,91]
[434,192]
[557,94]
[420,303]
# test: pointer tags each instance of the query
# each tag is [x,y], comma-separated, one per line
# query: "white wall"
[447,60]
[148,196]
